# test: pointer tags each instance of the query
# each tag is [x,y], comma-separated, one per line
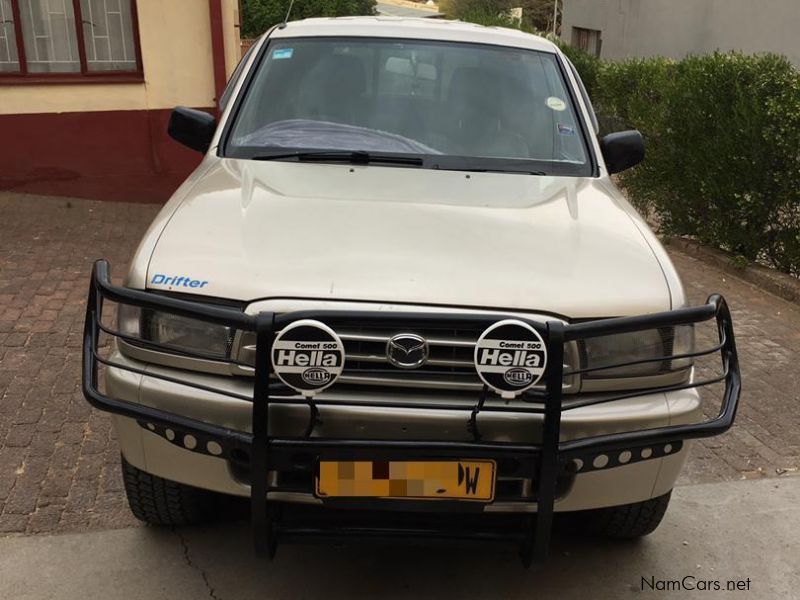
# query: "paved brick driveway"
[59,467]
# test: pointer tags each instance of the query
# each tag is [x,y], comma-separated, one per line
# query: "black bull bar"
[542,462]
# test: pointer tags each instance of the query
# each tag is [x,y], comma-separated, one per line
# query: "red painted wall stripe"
[104,155]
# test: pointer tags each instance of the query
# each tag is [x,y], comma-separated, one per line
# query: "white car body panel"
[415,29]
[561,245]
[288,235]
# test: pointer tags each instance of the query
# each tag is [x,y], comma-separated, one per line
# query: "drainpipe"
[217,49]
[555,18]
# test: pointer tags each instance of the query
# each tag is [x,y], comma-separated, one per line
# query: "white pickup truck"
[401,288]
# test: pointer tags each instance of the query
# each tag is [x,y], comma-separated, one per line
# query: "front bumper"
[357,414]
[547,458]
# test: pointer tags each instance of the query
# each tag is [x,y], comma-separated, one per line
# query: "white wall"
[676,28]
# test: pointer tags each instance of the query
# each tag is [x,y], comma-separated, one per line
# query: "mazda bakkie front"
[401,295]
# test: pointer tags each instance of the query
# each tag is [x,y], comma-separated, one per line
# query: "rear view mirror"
[622,150]
[192,128]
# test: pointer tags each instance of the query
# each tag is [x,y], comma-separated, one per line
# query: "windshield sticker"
[282,53]
[564,129]
[307,356]
[556,103]
[177,281]
[510,357]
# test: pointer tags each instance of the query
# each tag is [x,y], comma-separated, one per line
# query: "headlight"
[172,331]
[618,349]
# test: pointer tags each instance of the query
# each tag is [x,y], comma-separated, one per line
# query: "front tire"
[628,521]
[159,501]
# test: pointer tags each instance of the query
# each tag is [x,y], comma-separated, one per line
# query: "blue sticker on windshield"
[566,129]
[282,53]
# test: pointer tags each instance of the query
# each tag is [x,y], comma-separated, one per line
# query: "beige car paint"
[561,245]
[620,485]
[296,235]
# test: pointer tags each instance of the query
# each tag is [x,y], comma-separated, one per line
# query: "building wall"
[675,28]
[108,140]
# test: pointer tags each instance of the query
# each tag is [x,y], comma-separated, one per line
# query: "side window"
[237,73]
[585,96]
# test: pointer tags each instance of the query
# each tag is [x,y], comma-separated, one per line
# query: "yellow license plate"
[454,480]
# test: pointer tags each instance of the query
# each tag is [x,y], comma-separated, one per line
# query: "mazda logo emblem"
[407,351]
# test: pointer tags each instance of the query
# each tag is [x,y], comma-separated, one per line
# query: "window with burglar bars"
[588,40]
[80,38]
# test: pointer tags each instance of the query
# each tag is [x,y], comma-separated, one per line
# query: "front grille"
[449,366]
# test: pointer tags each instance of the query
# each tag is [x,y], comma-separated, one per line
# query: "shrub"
[492,13]
[260,15]
[723,148]
[587,65]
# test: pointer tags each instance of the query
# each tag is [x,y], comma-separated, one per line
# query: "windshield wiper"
[356,157]
[497,170]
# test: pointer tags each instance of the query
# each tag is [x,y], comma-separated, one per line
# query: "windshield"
[454,105]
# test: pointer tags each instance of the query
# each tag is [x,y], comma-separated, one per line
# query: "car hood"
[251,230]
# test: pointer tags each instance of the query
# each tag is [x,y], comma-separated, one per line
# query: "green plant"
[740,262]
[723,141]
[723,146]
[537,15]
[492,13]
[722,134]
[260,15]
[587,65]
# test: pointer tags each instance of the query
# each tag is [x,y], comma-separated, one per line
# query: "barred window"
[48,31]
[9,58]
[108,35]
[588,40]
[82,38]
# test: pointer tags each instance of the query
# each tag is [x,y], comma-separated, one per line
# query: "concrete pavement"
[746,532]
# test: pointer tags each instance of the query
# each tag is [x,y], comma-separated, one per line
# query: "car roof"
[413,28]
